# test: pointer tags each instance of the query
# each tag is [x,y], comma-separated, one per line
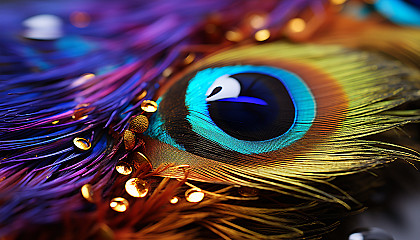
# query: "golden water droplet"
[189,59]
[78,116]
[338,2]
[84,105]
[81,111]
[83,79]
[55,122]
[129,140]
[258,21]
[262,35]
[119,204]
[194,195]
[141,95]
[296,25]
[140,160]
[234,36]
[167,72]
[123,168]
[139,124]
[136,187]
[82,144]
[87,76]
[248,191]
[87,192]
[174,200]
[149,106]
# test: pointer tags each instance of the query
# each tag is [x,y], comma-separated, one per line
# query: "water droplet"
[82,144]
[139,124]
[141,95]
[149,106]
[81,111]
[234,36]
[296,25]
[136,187]
[338,2]
[80,114]
[123,168]
[167,72]
[258,21]
[82,80]
[87,192]
[189,59]
[262,35]
[370,234]
[129,140]
[194,195]
[174,200]
[119,204]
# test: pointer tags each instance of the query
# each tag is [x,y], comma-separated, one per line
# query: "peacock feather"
[332,97]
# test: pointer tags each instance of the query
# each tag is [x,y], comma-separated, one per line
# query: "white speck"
[43,27]
[356,236]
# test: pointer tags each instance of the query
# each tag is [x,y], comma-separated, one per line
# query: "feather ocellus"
[353,93]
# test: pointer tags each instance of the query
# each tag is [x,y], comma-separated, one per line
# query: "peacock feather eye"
[279,116]
[245,109]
